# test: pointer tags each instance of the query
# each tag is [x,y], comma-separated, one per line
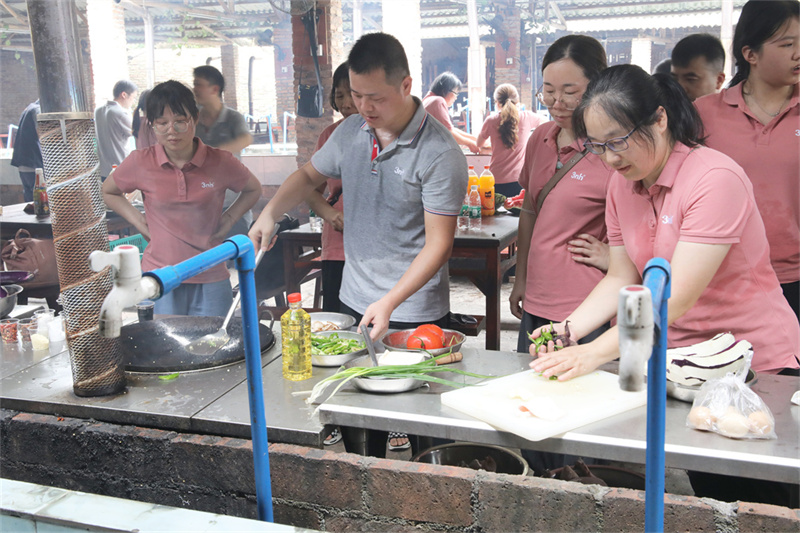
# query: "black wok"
[158,345]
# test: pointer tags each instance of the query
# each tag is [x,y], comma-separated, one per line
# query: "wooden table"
[15,218]
[482,257]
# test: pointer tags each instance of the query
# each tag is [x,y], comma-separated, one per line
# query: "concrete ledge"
[332,491]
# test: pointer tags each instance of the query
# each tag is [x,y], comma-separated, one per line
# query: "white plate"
[388,385]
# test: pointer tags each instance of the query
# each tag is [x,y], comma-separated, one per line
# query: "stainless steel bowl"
[9,301]
[388,385]
[338,360]
[686,393]
[397,341]
[475,456]
[341,320]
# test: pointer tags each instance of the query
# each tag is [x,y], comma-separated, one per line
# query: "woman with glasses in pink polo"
[183,182]
[440,98]
[561,254]
[672,197]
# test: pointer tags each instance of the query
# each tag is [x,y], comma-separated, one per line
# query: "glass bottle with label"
[41,206]
[296,340]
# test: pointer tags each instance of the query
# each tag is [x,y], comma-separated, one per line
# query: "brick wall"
[18,87]
[507,46]
[332,491]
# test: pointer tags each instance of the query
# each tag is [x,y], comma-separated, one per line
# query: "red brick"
[519,503]
[687,513]
[623,510]
[218,463]
[420,492]
[316,476]
[295,516]
[764,517]
[366,525]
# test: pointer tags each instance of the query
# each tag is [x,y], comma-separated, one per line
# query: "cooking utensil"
[341,320]
[466,455]
[388,385]
[338,359]
[160,345]
[9,301]
[212,342]
[14,276]
[370,345]
[397,341]
[686,393]
[566,404]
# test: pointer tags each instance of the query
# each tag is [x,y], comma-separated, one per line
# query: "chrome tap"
[635,322]
[129,288]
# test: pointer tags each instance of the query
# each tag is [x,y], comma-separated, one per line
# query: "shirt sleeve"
[444,183]
[716,209]
[327,160]
[238,124]
[122,124]
[237,175]
[437,108]
[128,173]
[612,221]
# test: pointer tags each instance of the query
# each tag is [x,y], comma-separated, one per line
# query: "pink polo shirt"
[183,206]
[506,163]
[332,240]
[770,155]
[556,284]
[703,196]
[438,109]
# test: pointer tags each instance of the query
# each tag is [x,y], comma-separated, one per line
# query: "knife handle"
[454,357]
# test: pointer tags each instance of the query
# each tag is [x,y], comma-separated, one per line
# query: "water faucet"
[635,323]
[130,287]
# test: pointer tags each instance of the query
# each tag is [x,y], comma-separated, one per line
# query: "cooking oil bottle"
[296,340]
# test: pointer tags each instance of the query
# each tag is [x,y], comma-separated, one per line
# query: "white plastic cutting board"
[579,401]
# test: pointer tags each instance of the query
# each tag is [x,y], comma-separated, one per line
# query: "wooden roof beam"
[212,31]
[22,19]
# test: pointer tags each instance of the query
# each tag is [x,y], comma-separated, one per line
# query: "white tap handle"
[99,260]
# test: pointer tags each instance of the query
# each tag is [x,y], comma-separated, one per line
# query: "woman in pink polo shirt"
[561,250]
[508,130]
[671,197]
[440,98]
[183,182]
[756,121]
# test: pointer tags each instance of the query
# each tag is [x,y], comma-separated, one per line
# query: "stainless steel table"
[621,437]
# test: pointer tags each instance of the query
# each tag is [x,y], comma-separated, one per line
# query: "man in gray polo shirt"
[221,127]
[113,124]
[404,179]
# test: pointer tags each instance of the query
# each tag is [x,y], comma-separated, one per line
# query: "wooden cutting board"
[561,406]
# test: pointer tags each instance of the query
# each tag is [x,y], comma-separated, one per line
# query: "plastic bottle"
[314,221]
[474,209]
[487,192]
[296,340]
[462,222]
[41,207]
[473,178]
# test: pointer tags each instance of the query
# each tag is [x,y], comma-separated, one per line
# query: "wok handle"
[259,256]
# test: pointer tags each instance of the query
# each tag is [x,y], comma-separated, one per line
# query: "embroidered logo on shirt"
[577,176]
[399,171]
[666,219]
[209,185]
[797,133]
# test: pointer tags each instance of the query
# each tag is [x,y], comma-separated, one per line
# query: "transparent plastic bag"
[727,406]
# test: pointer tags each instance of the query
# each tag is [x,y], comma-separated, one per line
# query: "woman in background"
[439,100]
[508,130]
[561,254]
[142,129]
[755,121]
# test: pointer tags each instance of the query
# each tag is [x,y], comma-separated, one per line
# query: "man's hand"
[260,231]
[377,314]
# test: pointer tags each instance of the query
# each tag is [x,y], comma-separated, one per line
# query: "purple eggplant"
[8,277]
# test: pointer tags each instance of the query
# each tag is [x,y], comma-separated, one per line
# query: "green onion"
[169,377]
[334,345]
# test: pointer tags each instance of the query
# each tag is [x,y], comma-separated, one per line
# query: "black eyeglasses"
[618,144]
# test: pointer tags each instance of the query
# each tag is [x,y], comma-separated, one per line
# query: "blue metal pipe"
[657,274]
[240,248]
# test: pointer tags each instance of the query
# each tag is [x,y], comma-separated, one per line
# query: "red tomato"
[423,340]
[431,329]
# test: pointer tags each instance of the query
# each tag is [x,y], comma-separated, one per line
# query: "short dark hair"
[663,67]
[340,75]
[173,94]
[375,51]
[584,51]
[696,45]
[631,97]
[759,21]
[140,106]
[211,75]
[445,83]
[124,86]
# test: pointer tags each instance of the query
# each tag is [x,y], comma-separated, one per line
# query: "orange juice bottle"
[486,189]
[473,177]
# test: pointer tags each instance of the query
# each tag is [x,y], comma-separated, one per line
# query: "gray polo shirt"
[229,125]
[385,198]
[113,125]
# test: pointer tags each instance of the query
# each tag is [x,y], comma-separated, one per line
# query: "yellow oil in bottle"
[296,341]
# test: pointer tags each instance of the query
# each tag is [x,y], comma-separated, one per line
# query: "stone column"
[402,19]
[235,94]
[109,51]
[284,74]
[507,46]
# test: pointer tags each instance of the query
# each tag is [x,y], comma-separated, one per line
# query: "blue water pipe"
[238,247]
[657,278]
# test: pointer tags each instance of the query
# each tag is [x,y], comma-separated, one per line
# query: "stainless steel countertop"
[621,437]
